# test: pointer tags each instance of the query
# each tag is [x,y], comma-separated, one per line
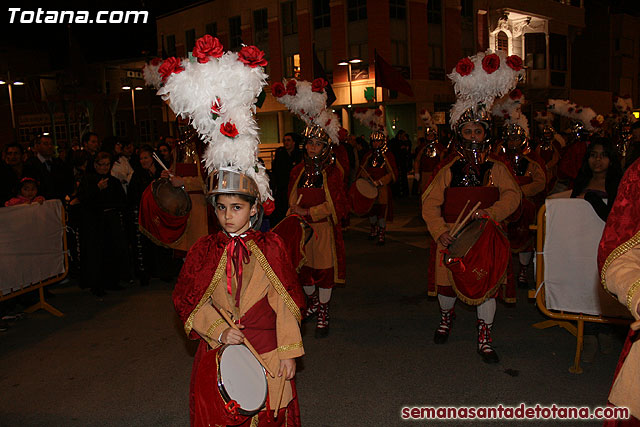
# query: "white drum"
[241,378]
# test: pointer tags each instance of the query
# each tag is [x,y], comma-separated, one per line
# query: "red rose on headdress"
[169,66]
[278,90]
[318,84]
[342,134]
[491,63]
[156,61]
[515,94]
[464,67]
[360,110]
[378,112]
[268,207]
[515,62]
[252,56]
[229,129]
[215,106]
[292,87]
[207,46]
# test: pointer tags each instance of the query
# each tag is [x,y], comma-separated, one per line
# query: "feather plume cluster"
[217,96]
[478,80]
[373,118]
[510,109]
[152,76]
[308,101]
[427,119]
[585,115]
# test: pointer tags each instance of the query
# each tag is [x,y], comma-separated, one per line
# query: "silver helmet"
[515,139]
[471,149]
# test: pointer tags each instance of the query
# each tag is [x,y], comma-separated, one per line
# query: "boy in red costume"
[247,274]
[316,192]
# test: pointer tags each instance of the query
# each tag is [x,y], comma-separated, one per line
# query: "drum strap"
[239,254]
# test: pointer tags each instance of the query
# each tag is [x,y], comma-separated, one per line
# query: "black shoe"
[440,337]
[489,355]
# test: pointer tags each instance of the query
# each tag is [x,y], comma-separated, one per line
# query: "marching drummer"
[379,166]
[238,285]
[316,193]
[465,179]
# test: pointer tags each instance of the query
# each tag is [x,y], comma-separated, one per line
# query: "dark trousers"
[104,249]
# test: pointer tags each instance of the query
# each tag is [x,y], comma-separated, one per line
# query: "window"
[24,134]
[400,57]
[434,11]
[171,45]
[325,58]
[356,10]
[235,32]
[502,42]
[212,29]
[61,132]
[398,9]
[321,14]
[535,47]
[289,18]
[260,26]
[466,10]
[190,39]
[292,66]
[359,70]
[121,128]
[558,52]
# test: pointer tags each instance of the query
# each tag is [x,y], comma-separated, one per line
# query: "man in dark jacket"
[54,177]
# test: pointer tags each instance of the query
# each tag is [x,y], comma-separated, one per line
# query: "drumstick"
[155,156]
[226,317]
[280,392]
[464,221]
[455,224]
[299,198]
[367,174]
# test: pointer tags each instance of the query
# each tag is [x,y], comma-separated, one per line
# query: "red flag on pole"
[390,78]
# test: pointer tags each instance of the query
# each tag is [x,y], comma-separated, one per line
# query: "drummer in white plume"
[465,179]
[238,285]
[379,167]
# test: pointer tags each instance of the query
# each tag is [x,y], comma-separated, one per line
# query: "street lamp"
[133,99]
[10,83]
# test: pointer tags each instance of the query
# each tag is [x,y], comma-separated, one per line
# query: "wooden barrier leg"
[550,323]
[576,369]
[42,304]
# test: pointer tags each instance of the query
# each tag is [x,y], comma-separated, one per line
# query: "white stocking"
[324,295]
[487,310]
[446,303]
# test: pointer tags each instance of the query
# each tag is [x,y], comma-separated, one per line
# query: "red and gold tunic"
[327,206]
[385,172]
[427,159]
[498,193]
[619,263]
[267,302]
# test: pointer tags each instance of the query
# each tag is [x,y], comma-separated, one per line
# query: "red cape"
[622,231]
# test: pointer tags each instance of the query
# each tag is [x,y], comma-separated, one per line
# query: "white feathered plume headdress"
[216,92]
[151,75]
[373,118]
[427,119]
[480,79]
[308,100]
[510,109]
[624,107]
[585,115]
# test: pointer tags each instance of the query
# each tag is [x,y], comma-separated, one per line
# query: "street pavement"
[124,360]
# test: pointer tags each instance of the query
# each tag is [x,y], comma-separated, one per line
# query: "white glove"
[416,176]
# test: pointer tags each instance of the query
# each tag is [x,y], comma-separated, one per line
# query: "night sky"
[95,42]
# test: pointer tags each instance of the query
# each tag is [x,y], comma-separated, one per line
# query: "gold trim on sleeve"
[289,347]
[213,327]
[215,280]
[631,293]
[615,254]
[275,281]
